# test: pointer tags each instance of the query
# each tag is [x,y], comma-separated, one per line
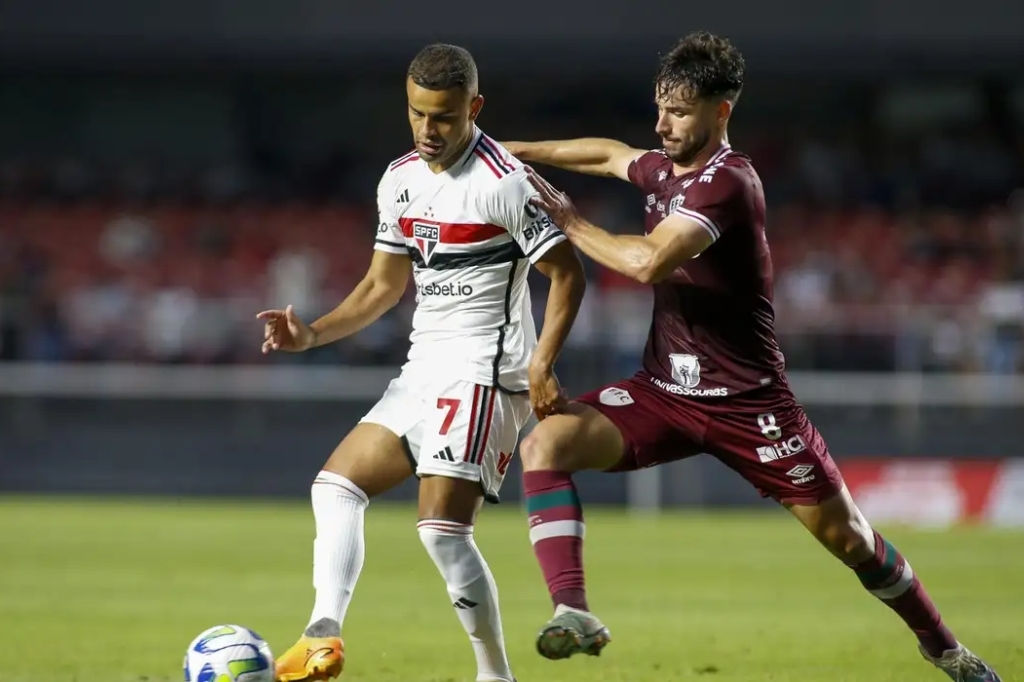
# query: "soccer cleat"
[311,659]
[963,666]
[572,631]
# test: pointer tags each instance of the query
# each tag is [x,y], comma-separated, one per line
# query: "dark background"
[166,170]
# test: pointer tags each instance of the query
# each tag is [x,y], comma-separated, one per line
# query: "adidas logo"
[445,455]
[464,604]
[403,198]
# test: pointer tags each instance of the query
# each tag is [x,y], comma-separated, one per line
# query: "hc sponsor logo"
[787,448]
[685,369]
[426,238]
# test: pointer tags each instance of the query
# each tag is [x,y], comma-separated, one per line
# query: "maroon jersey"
[713,329]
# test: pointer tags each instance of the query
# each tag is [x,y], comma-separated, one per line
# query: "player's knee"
[445,497]
[543,450]
[450,546]
[330,487]
[852,540]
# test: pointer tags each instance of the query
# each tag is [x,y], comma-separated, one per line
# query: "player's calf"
[448,508]
[580,438]
[884,572]
[368,461]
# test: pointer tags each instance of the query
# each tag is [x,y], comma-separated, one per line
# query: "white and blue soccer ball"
[229,653]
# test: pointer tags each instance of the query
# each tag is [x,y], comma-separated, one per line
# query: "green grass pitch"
[112,591]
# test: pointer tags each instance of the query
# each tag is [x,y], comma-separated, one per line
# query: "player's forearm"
[564,299]
[590,155]
[630,255]
[364,306]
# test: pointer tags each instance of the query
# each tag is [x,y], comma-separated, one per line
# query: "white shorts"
[454,428]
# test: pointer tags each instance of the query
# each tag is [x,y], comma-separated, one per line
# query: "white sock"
[339,549]
[473,592]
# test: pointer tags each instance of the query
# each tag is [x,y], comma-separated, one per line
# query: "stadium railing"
[913,447]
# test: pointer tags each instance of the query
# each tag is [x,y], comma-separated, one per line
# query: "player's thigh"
[767,438]
[446,497]
[469,439]
[376,455]
[622,427]
[577,439]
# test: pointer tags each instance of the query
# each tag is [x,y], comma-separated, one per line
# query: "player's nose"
[428,130]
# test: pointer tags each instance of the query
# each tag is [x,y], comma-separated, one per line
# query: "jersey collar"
[470,148]
[720,154]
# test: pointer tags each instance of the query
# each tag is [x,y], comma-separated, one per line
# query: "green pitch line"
[112,591]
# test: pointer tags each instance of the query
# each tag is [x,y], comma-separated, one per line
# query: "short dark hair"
[705,65]
[443,67]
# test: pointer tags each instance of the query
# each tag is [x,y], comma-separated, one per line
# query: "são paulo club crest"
[685,369]
[426,237]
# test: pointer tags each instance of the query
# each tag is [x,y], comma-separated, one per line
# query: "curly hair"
[443,67]
[704,65]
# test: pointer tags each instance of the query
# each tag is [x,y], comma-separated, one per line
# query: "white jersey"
[471,233]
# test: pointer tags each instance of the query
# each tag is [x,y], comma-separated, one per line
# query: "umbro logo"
[445,455]
[403,198]
[464,603]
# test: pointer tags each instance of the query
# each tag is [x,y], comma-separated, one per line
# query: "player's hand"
[556,204]
[283,330]
[546,394]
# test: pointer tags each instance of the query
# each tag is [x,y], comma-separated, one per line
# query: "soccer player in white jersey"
[456,213]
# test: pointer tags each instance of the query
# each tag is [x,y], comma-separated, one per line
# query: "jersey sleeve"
[530,227]
[389,233]
[642,169]
[716,200]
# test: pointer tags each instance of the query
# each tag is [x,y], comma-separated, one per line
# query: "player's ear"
[475,105]
[724,110]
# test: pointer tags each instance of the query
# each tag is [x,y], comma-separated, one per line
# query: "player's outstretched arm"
[379,291]
[589,155]
[648,259]
[562,266]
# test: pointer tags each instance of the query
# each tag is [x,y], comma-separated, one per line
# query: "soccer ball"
[229,653]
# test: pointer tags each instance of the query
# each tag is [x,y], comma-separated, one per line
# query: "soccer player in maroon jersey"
[713,378]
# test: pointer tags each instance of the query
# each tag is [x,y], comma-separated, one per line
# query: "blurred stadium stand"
[157,191]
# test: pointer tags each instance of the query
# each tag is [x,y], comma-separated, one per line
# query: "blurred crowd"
[902,250]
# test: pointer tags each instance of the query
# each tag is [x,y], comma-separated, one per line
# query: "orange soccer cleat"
[311,659]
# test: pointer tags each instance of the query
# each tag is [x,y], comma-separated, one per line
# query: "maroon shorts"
[763,435]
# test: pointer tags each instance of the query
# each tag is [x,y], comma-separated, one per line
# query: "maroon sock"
[888,576]
[556,532]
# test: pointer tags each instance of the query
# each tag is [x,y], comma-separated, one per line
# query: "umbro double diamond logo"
[445,455]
